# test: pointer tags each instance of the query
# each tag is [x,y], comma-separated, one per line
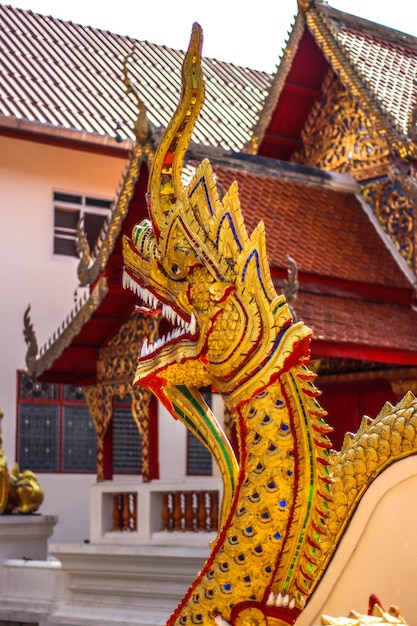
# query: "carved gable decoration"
[116,366]
[395,214]
[339,135]
[117,360]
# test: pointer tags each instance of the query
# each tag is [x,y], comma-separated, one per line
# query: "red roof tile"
[327,232]
[360,324]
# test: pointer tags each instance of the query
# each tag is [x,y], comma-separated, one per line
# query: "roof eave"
[37,131]
[323,348]
[389,244]
[286,171]
[69,330]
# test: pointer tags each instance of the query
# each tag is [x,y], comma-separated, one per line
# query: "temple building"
[324,153]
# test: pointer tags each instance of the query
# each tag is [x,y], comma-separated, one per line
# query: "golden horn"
[165,184]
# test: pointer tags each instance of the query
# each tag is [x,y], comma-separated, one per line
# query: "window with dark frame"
[127,443]
[68,209]
[55,432]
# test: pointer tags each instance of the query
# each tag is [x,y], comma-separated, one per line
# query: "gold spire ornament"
[283,511]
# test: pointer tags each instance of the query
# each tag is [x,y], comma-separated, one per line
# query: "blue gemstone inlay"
[229,218]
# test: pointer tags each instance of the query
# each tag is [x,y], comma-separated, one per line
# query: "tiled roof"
[62,74]
[385,58]
[376,64]
[327,232]
[364,324]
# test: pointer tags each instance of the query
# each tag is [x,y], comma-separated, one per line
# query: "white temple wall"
[31,273]
[172,446]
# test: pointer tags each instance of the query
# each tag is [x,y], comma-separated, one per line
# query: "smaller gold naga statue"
[19,491]
[375,615]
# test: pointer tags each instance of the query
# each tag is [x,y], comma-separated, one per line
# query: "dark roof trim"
[273,168]
[389,244]
[366,353]
[58,136]
[340,18]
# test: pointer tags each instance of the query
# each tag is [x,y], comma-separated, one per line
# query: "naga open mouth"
[151,305]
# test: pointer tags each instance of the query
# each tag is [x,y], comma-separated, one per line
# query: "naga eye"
[174,270]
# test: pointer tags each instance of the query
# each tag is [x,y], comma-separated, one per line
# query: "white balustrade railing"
[159,512]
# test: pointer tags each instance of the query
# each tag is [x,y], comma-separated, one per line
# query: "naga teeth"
[144,294]
[280,599]
[144,350]
[182,327]
[193,324]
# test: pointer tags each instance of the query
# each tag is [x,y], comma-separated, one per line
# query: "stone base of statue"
[28,581]
[25,536]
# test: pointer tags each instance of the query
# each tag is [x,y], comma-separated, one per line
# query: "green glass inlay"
[311,456]
[200,409]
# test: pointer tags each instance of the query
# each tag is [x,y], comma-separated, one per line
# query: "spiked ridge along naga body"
[193,262]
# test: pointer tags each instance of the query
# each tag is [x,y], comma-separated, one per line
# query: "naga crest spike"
[165,177]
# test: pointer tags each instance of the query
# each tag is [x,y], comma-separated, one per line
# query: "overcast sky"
[249,34]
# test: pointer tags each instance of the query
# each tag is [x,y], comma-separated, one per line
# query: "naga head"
[194,262]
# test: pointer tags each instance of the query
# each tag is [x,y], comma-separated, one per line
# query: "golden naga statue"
[287,498]
[19,491]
